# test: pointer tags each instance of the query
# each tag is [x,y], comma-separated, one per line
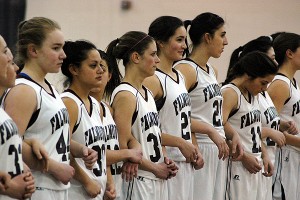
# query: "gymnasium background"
[101,21]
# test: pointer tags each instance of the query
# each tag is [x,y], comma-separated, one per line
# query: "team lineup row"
[167,130]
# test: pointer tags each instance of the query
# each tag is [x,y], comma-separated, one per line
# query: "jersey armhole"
[161,101]
[196,83]
[77,123]
[290,85]
[135,113]
[239,96]
[36,113]
[78,103]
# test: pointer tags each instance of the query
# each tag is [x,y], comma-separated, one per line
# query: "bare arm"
[79,150]
[4,181]
[268,166]
[91,186]
[124,106]
[72,108]
[279,98]
[251,163]
[199,162]
[40,163]
[20,187]
[131,155]
[163,170]
[205,128]
[20,104]
[230,101]
[21,112]
[110,190]
[275,135]
[62,172]
[187,148]
[189,74]
[292,139]
[153,84]
[289,126]
[115,156]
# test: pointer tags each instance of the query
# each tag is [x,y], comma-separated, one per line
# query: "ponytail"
[111,47]
[116,76]
[133,41]
[233,72]
[235,56]
[255,64]
[186,24]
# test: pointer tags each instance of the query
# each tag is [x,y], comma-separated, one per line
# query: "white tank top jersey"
[145,126]
[112,140]
[269,118]
[88,130]
[10,146]
[206,99]
[291,108]
[174,110]
[246,120]
[50,125]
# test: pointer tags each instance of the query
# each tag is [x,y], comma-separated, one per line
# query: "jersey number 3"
[17,153]
[157,156]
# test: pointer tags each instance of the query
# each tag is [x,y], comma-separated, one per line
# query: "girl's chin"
[55,70]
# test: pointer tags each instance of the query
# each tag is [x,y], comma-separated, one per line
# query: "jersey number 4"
[62,147]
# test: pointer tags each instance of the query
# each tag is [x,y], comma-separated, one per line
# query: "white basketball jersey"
[88,130]
[246,120]
[11,160]
[291,108]
[206,99]
[270,119]
[174,110]
[112,143]
[50,125]
[145,126]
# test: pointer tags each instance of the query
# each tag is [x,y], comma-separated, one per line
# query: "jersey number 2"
[185,123]
[217,115]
